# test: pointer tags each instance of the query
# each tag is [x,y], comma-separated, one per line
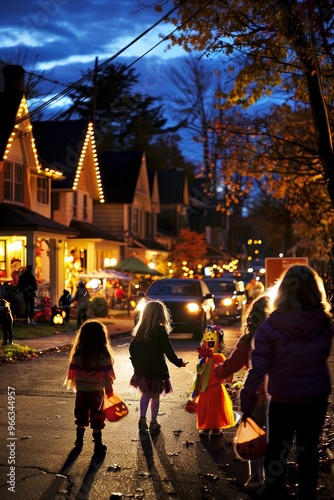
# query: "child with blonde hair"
[148,350]
[90,375]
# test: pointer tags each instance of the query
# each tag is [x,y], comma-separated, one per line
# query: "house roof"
[119,172]
[150,244]
[171,186]
[90,231]
[59,145]
[216,253]
[9,105]
[19,218]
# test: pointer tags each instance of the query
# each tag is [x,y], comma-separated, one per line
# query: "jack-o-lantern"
[114,408]
[250,440]
[58,319]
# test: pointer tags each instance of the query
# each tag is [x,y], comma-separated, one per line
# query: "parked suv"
[229,296]
[190,303]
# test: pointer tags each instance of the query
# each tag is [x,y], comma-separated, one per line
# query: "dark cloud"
[64,37]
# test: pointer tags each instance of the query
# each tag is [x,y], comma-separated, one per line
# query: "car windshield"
[221,286]
[175,288]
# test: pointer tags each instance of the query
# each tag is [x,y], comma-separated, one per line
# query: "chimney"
[14,78]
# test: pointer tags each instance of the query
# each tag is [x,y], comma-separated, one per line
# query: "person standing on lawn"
[27,285]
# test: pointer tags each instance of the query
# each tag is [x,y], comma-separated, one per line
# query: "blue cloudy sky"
[64,37]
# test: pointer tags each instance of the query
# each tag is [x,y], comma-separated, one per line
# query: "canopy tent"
[136,266]
[104,275]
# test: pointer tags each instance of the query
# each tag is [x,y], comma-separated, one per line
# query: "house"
[174,202]
[28,235]
[204,216]
[70,147]
[131,203]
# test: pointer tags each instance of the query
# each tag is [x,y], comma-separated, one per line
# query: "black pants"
[29,301]
[302,423]
[82,316]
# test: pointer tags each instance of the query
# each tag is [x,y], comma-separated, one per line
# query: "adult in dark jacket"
[81,297]
[148,351]
[28,286]
[292,347]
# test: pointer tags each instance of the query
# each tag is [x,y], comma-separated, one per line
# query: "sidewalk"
[116,327]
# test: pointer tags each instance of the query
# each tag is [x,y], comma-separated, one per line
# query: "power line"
[89,75]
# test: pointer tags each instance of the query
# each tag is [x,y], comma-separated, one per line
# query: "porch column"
[31,252]
[55,269]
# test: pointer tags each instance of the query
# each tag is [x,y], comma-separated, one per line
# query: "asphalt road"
[37,459]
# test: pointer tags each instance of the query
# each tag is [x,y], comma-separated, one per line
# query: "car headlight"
[193,307]
[140,306]
[227,302]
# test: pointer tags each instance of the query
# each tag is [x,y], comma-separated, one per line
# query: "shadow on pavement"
[61,477]
[87,483]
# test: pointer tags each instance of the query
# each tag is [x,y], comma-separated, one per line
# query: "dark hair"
[301,288]
[91,344]
[154,313]
[258,312]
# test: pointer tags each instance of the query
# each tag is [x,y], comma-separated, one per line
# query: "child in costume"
[90,375]
[214,406]
[65,303]
[148,352]
[240,358]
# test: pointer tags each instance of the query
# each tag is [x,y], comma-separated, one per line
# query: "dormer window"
[42,190]
[13,182]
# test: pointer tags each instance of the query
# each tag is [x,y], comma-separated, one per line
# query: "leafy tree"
[188,252]
[125,118]
[278,44]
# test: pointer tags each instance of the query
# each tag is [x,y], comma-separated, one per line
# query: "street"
[37,457]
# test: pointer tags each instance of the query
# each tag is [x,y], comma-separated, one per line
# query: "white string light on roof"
[89,137]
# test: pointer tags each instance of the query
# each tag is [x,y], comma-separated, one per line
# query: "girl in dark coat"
[292,347]
[148,352]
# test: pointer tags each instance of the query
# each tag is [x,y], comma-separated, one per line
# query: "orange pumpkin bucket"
[114,408]
[250,440]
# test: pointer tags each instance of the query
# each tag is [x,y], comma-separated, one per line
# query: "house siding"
[109,217]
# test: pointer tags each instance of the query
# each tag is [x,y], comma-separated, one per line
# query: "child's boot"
[79,440]
[99,446]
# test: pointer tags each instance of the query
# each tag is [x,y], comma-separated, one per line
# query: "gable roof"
[119,172]
[62,145]
[19,218]
[59,145]
[9,105]
[171,186]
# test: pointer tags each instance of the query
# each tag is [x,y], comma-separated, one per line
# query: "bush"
[98,307]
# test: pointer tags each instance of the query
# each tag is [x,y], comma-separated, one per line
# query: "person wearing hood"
[292,348]
[81,297]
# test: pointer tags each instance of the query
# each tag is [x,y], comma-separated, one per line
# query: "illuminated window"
[2,258]
[13,182]
[42,190]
